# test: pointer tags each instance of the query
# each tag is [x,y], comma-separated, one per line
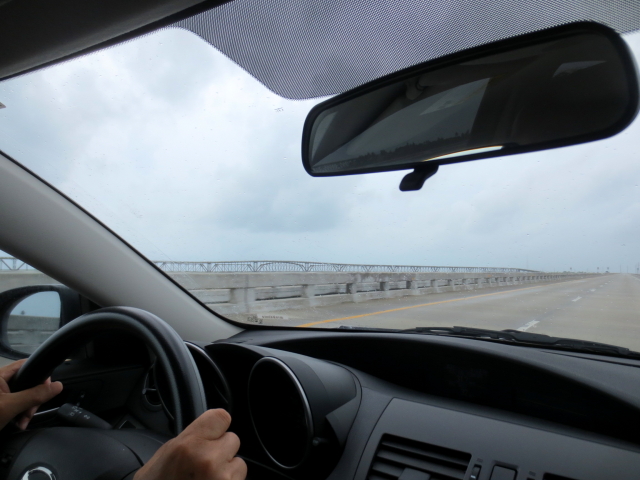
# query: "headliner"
[297,48]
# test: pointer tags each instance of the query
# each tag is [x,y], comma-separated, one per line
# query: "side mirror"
[30,315]
[567,85]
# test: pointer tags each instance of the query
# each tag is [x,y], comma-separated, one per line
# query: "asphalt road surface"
[604,309]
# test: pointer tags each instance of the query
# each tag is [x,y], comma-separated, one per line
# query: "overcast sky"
[188,157]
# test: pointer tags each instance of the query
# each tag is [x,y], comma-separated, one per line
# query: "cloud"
[189,158]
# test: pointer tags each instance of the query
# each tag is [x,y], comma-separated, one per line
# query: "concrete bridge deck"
[605,308]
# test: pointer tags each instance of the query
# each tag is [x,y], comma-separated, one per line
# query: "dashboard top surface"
[535,412]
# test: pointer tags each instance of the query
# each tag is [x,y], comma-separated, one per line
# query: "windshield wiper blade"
[356,328]
[517,336]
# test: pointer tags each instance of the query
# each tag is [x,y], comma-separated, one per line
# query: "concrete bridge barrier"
[23,278]
[247,293]
[26,332]
[254,287]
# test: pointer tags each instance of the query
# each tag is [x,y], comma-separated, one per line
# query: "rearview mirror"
[567,85]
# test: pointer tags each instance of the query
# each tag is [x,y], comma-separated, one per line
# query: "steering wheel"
[75,453]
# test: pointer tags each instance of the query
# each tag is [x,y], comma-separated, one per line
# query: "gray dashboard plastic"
[530,451]
[411,390]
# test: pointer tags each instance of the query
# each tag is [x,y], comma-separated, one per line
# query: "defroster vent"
[402,459]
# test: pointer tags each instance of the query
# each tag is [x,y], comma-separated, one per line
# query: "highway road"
[604,309]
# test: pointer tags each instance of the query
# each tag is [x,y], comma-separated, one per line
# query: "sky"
[40,304]
[189,158]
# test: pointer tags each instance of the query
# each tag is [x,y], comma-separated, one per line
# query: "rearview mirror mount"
[567,85]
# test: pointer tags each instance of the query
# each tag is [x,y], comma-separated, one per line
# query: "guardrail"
[243,295]
[293,266]
[13,264]
[245,289]
[10,263]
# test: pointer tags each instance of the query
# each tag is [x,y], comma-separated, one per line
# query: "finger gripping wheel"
[172,354]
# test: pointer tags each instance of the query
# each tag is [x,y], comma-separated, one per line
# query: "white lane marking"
[593,289]
[576,299]
[527,326]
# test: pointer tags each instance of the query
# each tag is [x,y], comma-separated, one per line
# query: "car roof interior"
[67,28]
[298,49]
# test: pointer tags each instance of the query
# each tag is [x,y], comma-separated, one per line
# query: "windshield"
[197,165]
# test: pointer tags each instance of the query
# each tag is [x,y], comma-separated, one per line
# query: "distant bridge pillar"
[242,296]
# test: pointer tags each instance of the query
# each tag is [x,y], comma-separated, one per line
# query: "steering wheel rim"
[186,390]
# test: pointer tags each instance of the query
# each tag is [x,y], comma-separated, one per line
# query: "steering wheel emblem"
[38,473]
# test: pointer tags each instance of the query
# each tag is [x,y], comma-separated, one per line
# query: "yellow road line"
[418,306]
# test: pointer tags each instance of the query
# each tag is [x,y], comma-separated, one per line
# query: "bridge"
[605,307]
[245,290]
[258,266]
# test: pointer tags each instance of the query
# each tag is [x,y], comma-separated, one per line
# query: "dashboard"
[376,406]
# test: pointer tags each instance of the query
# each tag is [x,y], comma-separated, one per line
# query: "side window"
[32,307]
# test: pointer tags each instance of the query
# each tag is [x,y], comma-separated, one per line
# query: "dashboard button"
[475,473]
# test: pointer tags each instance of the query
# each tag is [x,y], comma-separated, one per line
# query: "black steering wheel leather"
[75,453]
[185,386]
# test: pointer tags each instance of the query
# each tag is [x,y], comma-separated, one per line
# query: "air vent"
[402,459]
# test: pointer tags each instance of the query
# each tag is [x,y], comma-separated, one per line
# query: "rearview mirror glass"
[559,87]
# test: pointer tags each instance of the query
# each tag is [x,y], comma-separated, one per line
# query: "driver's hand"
[203,451]
[24,404]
